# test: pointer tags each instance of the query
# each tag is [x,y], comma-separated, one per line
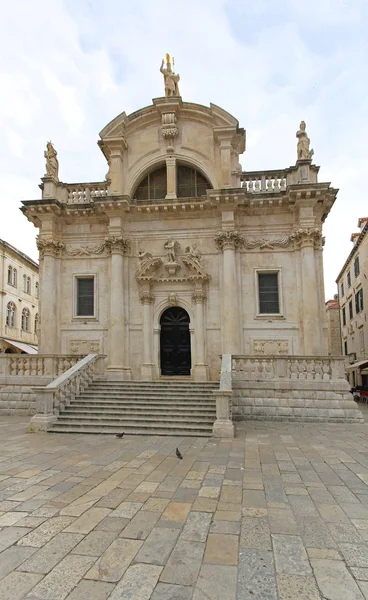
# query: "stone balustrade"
[59,393]
[223,426]
[35,365]
[260,182]
[288,367]
[83,193]
[292,388]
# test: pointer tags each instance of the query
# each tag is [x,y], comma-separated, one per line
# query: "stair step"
[141,408]
[139,419]
[129,431]
[145,402]
[124,425]
[144,411]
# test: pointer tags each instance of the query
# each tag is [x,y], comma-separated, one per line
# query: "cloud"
[71,67]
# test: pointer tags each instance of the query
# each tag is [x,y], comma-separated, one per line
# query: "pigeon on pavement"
[120,435]
[178,453]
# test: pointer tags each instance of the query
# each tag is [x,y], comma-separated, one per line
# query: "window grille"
[268,290]
[85,297]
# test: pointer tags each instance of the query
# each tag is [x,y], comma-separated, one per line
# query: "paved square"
[278,513]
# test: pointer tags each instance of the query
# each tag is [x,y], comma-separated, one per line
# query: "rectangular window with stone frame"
[359,301]
[268,293]
[85,296]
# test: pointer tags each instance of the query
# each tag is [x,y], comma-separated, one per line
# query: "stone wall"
[17,400]
[292,389]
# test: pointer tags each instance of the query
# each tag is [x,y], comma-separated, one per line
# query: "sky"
[70,66]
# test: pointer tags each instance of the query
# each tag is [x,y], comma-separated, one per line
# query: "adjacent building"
[19,293]
[353,296]
[333,327]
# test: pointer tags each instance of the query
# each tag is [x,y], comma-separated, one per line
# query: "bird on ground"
[178,453]
[120,435]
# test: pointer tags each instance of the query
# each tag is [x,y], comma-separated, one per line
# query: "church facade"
[179,256]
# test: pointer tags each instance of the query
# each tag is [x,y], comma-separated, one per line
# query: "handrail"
[61,391]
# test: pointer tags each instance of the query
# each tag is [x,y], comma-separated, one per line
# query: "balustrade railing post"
[223,426]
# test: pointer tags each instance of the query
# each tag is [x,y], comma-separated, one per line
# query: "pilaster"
[147,299]
[118,247]
[200,370]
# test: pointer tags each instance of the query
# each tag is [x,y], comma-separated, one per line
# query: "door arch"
[175,351]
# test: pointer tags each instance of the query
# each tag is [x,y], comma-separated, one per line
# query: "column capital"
[147,297]
[307,237]
[228,239]
[49,247]
[116,244]
[199,297]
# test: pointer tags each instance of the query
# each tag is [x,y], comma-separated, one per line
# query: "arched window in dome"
[153,186]
[190,183]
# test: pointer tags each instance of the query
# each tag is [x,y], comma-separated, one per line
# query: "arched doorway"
[175,355]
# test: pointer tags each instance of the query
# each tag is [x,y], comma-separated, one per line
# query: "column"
[311,313]
[200,368]
[171,177]
[147,367]
[49,340]
[227,241]
[117,359]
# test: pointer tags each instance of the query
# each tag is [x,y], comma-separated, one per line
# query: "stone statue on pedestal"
[303,152]
[171,247]
[52,163]
[171,79]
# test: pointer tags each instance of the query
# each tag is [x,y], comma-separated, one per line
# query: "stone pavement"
[278,513]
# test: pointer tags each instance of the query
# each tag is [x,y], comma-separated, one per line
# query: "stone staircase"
[141,407]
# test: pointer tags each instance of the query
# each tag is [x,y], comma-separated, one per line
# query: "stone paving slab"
[278,513]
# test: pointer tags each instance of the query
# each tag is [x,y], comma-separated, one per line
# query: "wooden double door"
[175,353]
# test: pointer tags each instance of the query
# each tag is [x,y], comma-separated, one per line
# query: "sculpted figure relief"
[171,247]
[52,163]
[193,253]
[171,79]
[303,151]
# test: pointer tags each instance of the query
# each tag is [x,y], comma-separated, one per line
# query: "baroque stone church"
[179,256]
[182,291]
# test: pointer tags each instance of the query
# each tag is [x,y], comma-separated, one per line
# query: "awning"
[356,365]
[27,348]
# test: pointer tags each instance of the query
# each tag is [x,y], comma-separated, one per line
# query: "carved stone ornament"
[150,267]
[199,297]
[116,243]
[85,347]
[86,250]
[263,244]
[228,239]
[146,297]
[169,128]
[307,237]
[268,347]
[172,299]
[49,247]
